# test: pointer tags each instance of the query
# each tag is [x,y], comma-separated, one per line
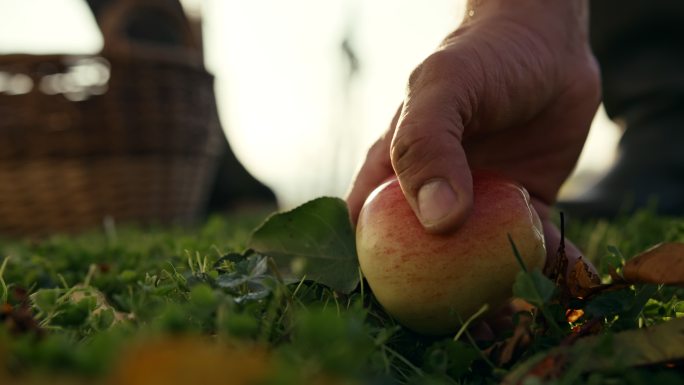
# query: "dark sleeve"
[640,48]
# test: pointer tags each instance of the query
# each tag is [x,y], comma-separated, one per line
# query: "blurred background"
[303,87]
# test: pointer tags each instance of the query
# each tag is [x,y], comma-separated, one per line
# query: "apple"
[429,282]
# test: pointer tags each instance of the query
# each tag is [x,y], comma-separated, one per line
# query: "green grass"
[168,283]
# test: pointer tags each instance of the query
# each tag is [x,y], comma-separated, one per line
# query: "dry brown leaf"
[661,264]
[656,344]
[19,319]
[560,266]
[504,352]
[550,367]
[581,280]
[521,338]
[557,270]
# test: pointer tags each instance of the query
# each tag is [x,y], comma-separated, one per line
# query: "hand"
[513,89]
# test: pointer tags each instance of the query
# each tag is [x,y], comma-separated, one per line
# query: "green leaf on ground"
[315,241]
[534,287]
[626,304]
[610,303]
[246,277]
[450,358]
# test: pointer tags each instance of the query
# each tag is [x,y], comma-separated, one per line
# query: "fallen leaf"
[581,280]
[187,360]
[521,339]
[661,264]
[314,240]
[654,345]
[549,367]
[20,320]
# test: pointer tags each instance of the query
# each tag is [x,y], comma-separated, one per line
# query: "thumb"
[427,154]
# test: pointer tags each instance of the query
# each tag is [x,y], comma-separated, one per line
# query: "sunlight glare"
[48,26]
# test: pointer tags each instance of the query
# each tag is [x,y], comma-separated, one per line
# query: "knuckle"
[378,152]
[410,149]
[586,82]
[439,65]
[439,61]
[422,148]
[375,149]
[415,76]
[594,78]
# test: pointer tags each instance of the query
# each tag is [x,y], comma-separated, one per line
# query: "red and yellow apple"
[430,282]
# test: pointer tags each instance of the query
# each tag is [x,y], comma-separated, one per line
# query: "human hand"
[514,90]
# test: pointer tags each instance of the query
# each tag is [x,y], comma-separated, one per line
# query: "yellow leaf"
[187,360]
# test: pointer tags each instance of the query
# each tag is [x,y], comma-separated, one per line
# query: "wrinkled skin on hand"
[514,89]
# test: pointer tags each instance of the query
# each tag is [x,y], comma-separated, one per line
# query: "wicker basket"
[132,134]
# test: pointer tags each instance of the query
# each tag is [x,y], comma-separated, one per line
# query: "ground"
[175,306]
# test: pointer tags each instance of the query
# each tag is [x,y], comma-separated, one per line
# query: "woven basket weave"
[132,134]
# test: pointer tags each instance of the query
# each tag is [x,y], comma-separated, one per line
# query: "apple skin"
[428,282]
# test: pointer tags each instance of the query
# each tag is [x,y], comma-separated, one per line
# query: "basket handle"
[115,22]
